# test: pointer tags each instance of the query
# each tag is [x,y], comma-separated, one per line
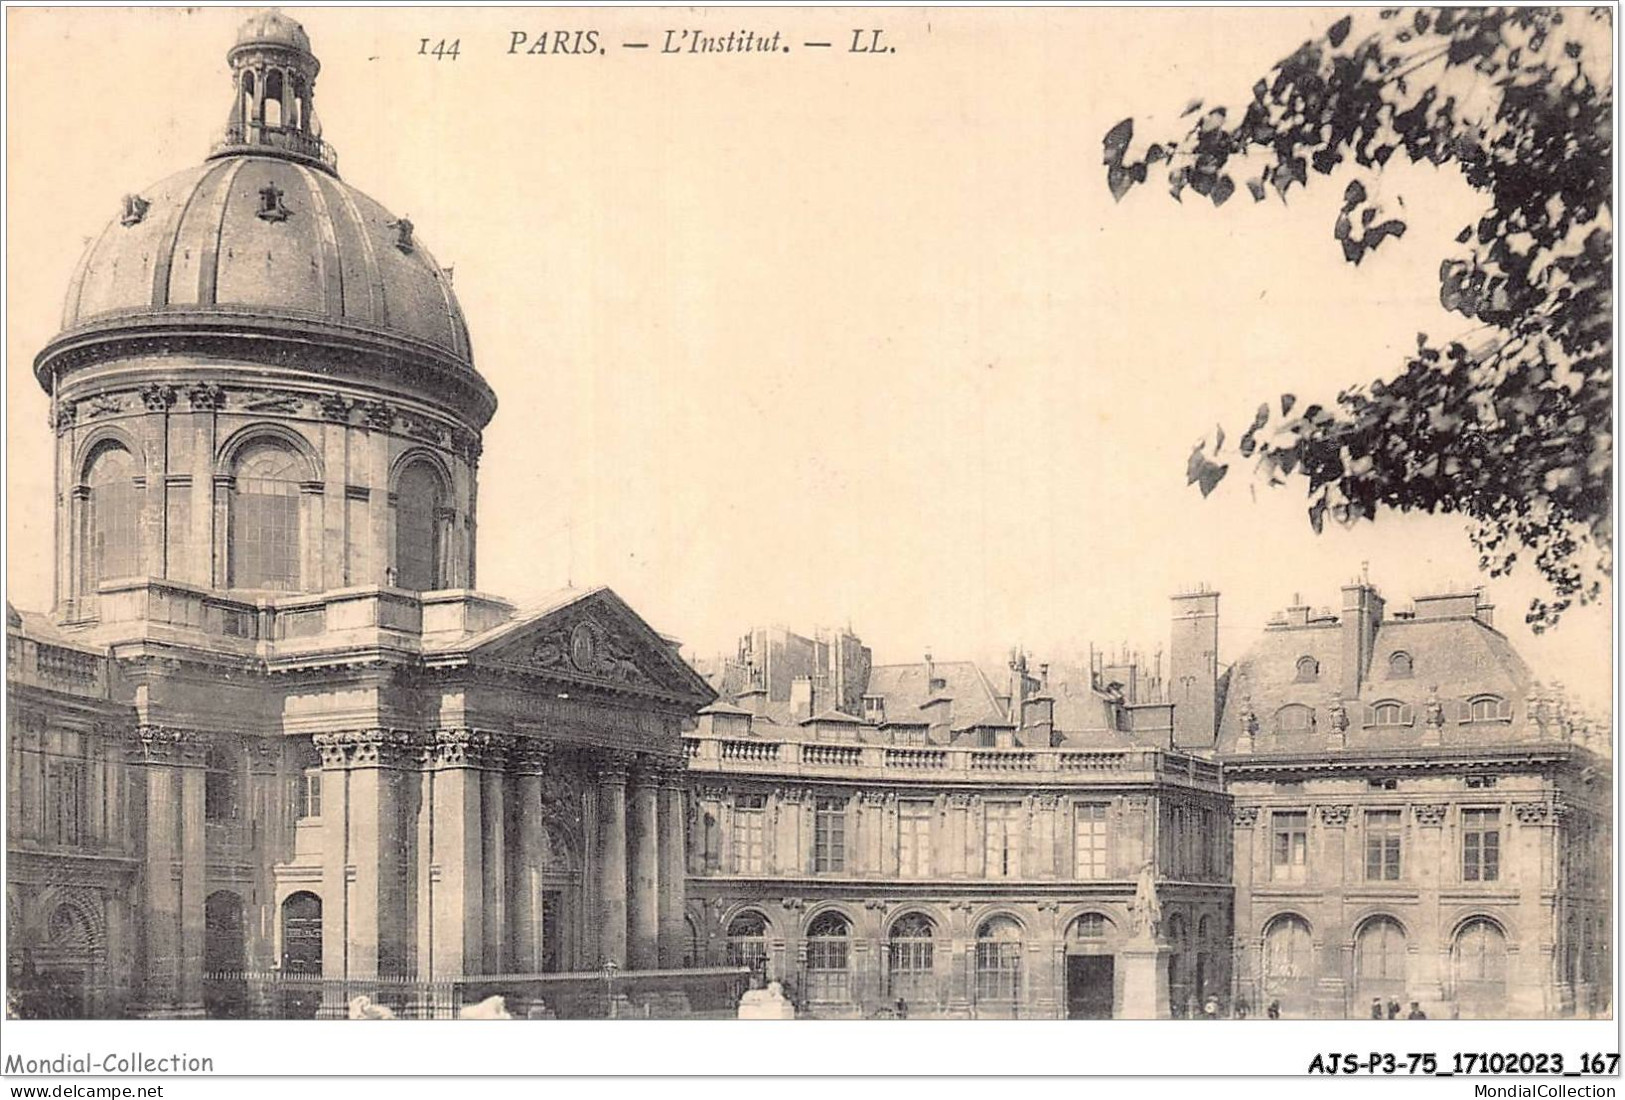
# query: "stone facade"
[270,742]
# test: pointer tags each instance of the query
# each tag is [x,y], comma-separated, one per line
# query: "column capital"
[374,747]
[464,748]
[614,767]
[168,745]
[1431,813]
[1335,816]
[264,754]
[531,756]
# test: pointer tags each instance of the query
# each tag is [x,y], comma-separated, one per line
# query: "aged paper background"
[813,337]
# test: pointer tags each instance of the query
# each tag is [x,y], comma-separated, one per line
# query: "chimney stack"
[1193,668]
[1362,615]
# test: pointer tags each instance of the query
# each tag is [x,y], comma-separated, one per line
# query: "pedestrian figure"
[1416,1012]
[1210,1008]
[1376,1008]
[1241,1008]
[1274,1010]
[1393,1010]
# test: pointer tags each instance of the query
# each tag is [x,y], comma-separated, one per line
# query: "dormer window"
[1308,670]
[1294,718]
[938,684]
[135,209]
[1400,666]
[1390,712]
[272,208]
[1486,708]
[403,234]
[874,709]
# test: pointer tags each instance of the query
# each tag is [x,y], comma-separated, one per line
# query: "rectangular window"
[1290,850]
[1004,833]
[1089,840]
[1383,831]
[1480,845]
[750,834]
[310,794]
[914,839]
[829,835]
[67,801]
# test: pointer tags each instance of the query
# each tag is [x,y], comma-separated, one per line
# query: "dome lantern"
[273,111]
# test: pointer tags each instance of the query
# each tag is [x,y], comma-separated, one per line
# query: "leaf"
[1117,140]
[1288,400]
[1256,187]
[1223,188]
[1191,108]
[1353,195]
[1119,179]
[1201,472]
[1340,31]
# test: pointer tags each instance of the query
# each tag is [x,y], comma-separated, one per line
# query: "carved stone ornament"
[589,648]
[1335,816]
[335,407]
[879,905]
[1530,813]
[1246,816]
[1430,813]
[157,397]
[166,744]
[1048,905]
[1434,709]
[364,747]
[66,414]
[135,210]
[206,396]
[456,748]
[1339,713]
[272,401]
[793,904]
[103,404]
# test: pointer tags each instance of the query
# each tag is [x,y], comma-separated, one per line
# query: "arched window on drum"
[111,534]
[264,540]
[420,528]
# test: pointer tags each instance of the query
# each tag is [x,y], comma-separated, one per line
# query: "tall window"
[912,958]
[1480,845]
[419,498]
[1004,834]
[265,519]
[219,787]
[1380,959]
[1089,840]
[309,803]
[828,939]
[914,839]
[747,941]
[66,801]
[1290,845]
[112,519]
[998,960]
[829,835]
[750,834]
[1383,831]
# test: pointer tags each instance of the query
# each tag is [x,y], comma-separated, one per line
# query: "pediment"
[593,637]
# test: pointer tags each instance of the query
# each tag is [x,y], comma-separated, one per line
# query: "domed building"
[270,743]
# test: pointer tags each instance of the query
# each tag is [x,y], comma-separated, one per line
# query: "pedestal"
[1145,980]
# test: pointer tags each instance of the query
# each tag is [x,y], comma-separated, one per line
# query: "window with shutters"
[914,839]
[1089,840]
[1384,830]
[1289,845]
[829,835]
[1480,845]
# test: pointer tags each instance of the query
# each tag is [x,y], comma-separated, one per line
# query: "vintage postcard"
[811,514]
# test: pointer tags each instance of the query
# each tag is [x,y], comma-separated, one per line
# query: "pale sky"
[814,338]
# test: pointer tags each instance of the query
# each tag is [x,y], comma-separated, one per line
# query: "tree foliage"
[1510,423]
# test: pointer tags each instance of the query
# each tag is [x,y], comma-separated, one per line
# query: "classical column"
[452,910]
[644,931]
[173,860]
[612,857]
[673,861]
[494,808]
[530,761]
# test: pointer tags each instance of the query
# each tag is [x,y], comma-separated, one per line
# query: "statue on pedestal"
[1145,915]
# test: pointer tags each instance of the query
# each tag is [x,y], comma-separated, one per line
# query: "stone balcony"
[273,626]
[946,764]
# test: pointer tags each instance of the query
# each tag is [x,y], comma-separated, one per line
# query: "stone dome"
[272,28]
[244,236]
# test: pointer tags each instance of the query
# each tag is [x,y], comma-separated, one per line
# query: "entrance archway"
[301,956]
[1091,968]
[1380,960]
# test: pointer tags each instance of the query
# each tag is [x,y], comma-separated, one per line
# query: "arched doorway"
[1179,967]
[911,958]
[998,967]
[225,985]
[1480,958]
[69,966]
[829,959]
[1091,977]
[1380,965]
[301,956]
[1289,970]
[747,944]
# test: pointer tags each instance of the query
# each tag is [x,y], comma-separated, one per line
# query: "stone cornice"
[1420,760]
